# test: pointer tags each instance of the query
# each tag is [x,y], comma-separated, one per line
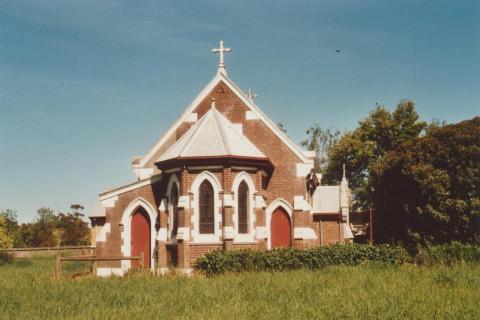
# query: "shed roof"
[326,199]
[98,211]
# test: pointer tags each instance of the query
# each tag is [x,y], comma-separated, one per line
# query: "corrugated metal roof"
[212,136]
[98,210]
[326,199]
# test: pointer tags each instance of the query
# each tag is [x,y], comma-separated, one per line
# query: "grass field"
[27,291]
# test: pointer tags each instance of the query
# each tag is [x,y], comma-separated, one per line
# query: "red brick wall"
[330,227]
[197,251]
[283,183]
[112,245]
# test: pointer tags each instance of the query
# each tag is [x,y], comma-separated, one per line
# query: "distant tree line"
[47,230]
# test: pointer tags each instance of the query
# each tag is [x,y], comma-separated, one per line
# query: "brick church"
[223,177]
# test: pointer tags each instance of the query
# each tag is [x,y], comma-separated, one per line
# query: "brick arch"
[217,188]
[277,203]
[173,180]
[244,176]
[127,215]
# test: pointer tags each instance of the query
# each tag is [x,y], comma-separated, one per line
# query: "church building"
[223,177]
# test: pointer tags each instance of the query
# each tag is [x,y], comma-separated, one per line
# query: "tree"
[320,141]
[44,229]
[428,189]
[5,240]
[360,150]
[74,230]
[11,225]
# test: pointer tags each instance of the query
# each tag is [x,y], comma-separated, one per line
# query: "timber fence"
[94,260]
[23,253]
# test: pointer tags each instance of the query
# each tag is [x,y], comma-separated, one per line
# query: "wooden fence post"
[371,225]
[141,260]
[58,267]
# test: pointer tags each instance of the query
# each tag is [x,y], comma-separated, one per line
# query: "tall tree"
[360,150]
[44,229]
[428,189]
[74,230]
[321,141]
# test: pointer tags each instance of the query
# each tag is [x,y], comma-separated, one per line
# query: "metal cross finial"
[221,49]
[251,94]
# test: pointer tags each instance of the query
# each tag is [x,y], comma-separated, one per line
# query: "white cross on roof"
[221,49]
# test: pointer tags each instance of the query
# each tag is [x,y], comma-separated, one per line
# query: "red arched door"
[280,229]
[141,237]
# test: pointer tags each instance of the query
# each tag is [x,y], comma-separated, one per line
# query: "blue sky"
[86,85]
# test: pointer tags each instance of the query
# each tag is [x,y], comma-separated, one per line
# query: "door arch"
[140,235]
[280,229]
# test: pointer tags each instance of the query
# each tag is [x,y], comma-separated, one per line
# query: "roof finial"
[251,94]
[221,49]
[213,103]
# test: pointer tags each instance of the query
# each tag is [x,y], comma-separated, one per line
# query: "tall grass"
[27,291]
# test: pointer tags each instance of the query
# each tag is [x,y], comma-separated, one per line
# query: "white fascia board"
[129,187]
[186,114]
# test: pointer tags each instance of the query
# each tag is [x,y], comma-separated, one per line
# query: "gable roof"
[221,76]
[212,136]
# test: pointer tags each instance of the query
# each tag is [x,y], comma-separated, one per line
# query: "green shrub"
[5,258]
[217,262]
[449,253]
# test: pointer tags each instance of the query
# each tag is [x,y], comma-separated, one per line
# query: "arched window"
[174,208]
[243,208]
[206,206]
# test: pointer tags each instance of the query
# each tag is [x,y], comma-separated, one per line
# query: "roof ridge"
[241,135]
[185,136]
[223,134]
[201,123]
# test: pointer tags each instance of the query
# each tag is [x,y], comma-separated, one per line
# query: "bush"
[217,262]
[5,258]
[454,252]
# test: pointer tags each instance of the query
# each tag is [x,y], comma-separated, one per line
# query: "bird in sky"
[338,51]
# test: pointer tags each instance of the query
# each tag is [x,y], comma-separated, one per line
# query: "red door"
[280,229]
[141,237]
